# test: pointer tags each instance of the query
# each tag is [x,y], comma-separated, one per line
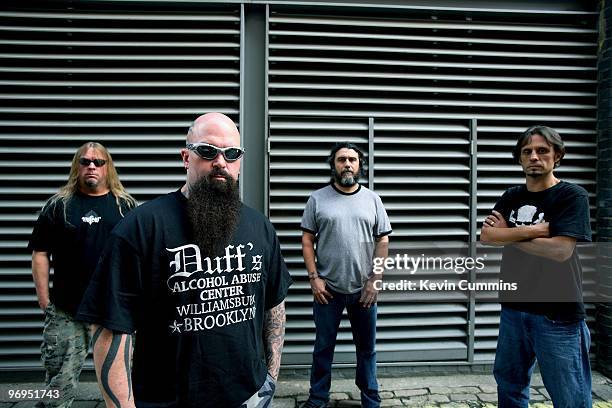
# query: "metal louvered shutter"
[129,76]
[437,98]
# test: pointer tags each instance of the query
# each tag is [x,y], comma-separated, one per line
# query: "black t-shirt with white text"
[546,286]
[74,242]
[198,321]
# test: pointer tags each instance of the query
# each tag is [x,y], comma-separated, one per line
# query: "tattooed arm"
[112,352]
[274,337]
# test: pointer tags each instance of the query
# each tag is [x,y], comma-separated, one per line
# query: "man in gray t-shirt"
[350,227]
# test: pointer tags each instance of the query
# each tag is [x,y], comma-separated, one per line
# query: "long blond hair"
[67,191]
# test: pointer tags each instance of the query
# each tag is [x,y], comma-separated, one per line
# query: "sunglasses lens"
[207,152]
[97,162]
[232,154]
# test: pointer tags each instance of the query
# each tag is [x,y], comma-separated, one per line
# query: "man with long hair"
[69,234]
[200,278]
[350,226]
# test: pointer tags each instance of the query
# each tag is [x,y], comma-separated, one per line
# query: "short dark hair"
[347,145]
[552,138]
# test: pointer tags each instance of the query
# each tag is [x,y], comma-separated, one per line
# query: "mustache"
[219,172]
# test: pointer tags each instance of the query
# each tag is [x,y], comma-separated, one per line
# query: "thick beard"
[347,180]
[213,208]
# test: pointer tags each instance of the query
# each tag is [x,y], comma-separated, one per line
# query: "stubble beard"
[213,209]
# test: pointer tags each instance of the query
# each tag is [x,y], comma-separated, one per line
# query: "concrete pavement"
[456,391]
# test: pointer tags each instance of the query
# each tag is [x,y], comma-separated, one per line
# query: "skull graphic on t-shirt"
[526,215]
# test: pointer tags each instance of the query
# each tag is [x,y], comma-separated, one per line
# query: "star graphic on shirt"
[176,327]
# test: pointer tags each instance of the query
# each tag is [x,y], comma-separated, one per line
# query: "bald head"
[217,130]
[216,124]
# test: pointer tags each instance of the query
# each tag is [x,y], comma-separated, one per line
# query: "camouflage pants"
[64,348]
[263,397]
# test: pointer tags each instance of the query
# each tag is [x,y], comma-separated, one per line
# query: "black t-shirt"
[546,286]
[74,242]
[198,321]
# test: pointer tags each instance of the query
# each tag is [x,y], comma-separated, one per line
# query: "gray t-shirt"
[345,226]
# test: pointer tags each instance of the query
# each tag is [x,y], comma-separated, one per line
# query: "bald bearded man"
[199,278]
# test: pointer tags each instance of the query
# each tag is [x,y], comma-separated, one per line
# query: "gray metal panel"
[130,77]
[422,75]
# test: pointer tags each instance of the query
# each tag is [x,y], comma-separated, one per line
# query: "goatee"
[213,209]
[346,179]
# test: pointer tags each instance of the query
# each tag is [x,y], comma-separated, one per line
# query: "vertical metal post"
[371,153]
[473,229]
[253,104]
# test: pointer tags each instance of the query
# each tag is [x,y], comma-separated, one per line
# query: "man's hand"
[319,292]
[44,303]
[369,294]
[495,220]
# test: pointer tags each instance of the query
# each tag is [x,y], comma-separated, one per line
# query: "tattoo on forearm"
[95,336]
[126,358]
[106,366]
[274,337]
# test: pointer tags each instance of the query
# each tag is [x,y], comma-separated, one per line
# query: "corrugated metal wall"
[427,93]
[130,77]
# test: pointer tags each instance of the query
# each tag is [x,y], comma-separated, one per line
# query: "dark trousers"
[363,325]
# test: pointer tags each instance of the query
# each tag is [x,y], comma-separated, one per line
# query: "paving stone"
[6,404]
[410,393]
[412,401]
[386,395]
[102,404]
[542,390]
[338,396]
[536,380]
[603,391]
[390,402]
[463,397]
[85,404]
[348,403]
[283,403]
[289,388]
[440,390]
[464,390]
[25,404]
[541,405]
[598,378]
[454,405]
[602,404]
[88,392]
[438,398]
[488,389]
[487,397]
[537,397]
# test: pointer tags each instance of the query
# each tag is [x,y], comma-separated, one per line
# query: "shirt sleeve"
[113,298]
[502,205]
[383,224]
[279,280]
[309,221]
[572,219]
[43,234]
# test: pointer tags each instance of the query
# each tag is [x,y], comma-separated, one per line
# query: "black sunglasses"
[97,162]
[209,152]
